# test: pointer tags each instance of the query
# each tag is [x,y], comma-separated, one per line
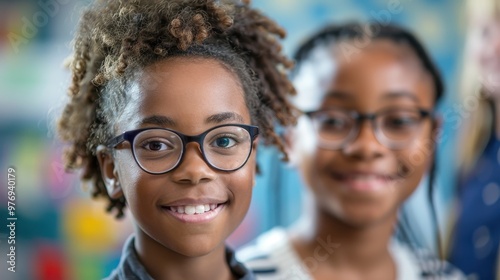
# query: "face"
[485,46]
[364,182]
[188,95]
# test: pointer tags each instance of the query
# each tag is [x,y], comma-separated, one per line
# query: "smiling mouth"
[365,182]
[361,177]
[194,213]
[193,209]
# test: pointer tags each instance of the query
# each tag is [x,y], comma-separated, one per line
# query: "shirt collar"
[131,268]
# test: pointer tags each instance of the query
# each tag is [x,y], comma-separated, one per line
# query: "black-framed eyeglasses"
[394,128]
[159,150]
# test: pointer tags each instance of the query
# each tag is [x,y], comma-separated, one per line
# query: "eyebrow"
[401,94]
[158,120]
[222,117]
[164,121]
[390,95]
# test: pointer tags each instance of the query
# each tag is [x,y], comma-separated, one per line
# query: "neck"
[341,247]
[163,263]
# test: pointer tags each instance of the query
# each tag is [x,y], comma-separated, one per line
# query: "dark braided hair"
[117,38]
[335,34]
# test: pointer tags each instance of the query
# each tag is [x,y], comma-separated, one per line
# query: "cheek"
[130,175]
[241,183]
[414,163]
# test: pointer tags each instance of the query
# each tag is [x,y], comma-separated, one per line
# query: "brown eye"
[400,121]
[333,124]
[156,146]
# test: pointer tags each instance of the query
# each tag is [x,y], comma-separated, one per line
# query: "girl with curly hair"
[166,104]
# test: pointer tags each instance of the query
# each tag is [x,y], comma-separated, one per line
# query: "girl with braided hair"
[365,141]
[166,103]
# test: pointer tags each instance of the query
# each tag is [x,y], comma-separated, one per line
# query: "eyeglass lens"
[392,128]
[160,150]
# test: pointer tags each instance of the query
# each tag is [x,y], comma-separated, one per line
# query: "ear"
[109,173]
[255,144]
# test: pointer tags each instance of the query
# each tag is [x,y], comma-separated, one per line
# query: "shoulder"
[263,245]
[129,268]
[271,256]
[422,264]
[432,267]
[239,270]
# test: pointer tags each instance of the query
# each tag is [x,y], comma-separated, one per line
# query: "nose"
[193,169]
[365,145]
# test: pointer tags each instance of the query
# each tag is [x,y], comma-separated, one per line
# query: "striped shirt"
[272,257]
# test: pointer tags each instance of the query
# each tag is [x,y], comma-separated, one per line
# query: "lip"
[194,201]
[194,218]
[364,181]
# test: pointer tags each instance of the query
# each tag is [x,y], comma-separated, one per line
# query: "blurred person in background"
[368,93]
[474,244]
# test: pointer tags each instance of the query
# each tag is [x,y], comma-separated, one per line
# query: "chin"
[196,249]
[362,217]
[364,221]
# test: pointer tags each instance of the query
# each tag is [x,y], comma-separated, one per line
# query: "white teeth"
[193,209]
[200,209]
[190,210]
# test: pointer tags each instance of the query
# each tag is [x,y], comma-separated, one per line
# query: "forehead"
[187,91]
[381,71]
[378,68]
[379,59]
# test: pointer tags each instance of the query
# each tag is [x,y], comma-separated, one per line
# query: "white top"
[272,257]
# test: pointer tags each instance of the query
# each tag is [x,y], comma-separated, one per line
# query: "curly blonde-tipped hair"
[116,38]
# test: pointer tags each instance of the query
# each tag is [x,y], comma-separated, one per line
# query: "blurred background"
[61,233]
